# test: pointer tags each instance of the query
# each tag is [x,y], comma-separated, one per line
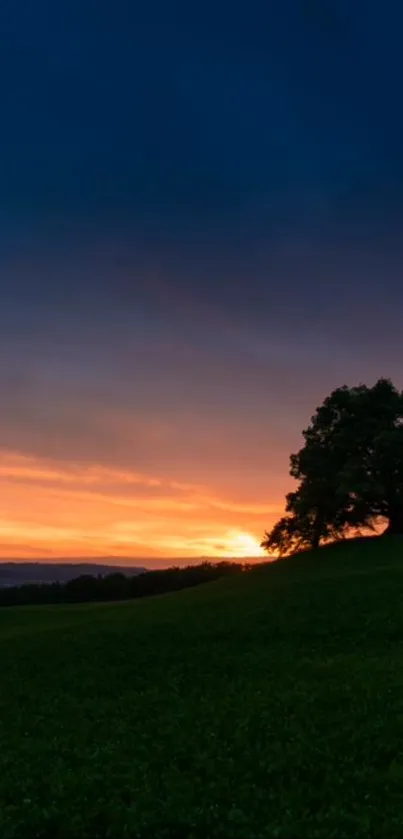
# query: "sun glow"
[58,509]
[244,544]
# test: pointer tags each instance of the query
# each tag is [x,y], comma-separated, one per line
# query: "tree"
[288,535]
[350,469]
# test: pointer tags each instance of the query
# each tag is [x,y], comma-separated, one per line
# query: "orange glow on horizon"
[54,509]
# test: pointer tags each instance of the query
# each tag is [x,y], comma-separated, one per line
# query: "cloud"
[60,508]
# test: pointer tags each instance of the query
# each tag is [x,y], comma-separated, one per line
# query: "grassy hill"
[265,705]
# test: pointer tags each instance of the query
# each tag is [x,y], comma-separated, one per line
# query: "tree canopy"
[350,469]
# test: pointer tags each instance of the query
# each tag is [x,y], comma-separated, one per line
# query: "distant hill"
[19,573]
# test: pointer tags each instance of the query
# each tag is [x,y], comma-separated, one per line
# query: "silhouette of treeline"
[88,588]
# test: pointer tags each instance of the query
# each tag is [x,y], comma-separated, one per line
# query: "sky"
[201,211]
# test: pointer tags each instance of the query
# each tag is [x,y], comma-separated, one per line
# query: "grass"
[269,705]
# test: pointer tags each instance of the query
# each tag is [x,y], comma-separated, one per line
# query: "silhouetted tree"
[350,469]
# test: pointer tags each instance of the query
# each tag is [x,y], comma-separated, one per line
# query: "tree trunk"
[315,541]
[395,526]
[317,530]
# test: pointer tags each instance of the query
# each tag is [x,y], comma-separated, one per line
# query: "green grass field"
[268,705]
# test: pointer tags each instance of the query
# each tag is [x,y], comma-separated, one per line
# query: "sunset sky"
[201,236]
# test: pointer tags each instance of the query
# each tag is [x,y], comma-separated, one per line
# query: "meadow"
[268,704]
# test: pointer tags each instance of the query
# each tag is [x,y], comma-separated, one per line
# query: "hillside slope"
[261,706]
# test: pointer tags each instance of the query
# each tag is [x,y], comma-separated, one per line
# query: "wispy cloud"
[88,509]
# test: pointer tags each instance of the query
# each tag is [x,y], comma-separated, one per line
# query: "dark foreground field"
[269,705]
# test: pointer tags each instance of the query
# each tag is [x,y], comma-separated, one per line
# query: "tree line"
[349,469]
[117,586]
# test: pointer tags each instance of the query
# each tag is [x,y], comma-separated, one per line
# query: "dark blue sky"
[200,224]
[208,115]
